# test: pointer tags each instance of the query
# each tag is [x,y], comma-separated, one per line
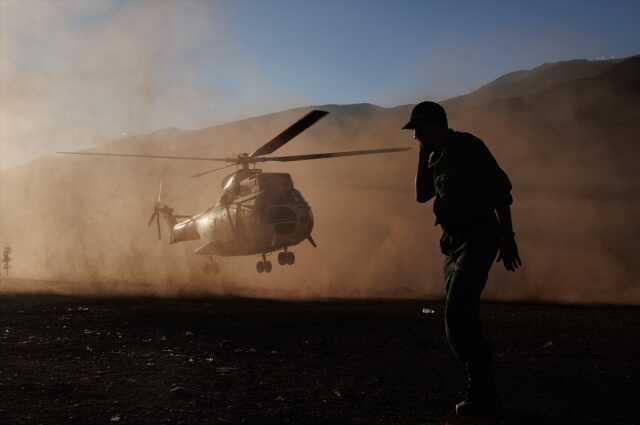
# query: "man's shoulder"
[466,141]
[464,137]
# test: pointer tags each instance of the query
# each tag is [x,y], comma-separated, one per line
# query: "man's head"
[429,124]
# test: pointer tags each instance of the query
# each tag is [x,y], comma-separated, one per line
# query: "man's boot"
[482,398]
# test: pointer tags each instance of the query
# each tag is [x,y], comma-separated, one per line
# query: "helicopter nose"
[305,219]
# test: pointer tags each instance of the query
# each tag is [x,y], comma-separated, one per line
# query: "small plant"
[6,259]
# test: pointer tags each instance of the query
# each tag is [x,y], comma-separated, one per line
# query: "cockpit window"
[278,182]
[277,187]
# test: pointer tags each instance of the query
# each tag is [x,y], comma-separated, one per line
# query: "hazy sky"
[76,72]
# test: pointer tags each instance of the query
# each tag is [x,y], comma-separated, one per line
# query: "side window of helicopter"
[244,188]
[227,183]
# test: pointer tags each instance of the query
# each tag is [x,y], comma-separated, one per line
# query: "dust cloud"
[78,73]
[78,224]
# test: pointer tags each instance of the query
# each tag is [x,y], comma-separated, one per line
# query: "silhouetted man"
[472,205]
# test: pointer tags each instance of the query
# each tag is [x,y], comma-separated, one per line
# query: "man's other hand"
[508,253]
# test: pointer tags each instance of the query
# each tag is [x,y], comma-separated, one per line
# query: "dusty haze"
[77,73]
[567,143]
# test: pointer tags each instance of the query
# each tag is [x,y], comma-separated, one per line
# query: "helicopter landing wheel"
[267,266]
[291,258]
[260,266]
[286,258]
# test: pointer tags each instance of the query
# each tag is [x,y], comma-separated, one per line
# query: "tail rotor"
[156,212]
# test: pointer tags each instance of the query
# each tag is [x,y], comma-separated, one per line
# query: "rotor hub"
[244,161]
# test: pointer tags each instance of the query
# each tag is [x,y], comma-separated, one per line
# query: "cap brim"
[409,126]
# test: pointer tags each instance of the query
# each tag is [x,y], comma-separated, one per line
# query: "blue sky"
[74,73]
[394,52]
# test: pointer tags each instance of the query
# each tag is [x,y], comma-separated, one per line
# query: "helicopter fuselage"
[257,213]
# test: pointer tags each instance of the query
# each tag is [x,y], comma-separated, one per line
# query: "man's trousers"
[468,259]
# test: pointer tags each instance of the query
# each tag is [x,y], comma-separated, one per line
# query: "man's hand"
[508,253]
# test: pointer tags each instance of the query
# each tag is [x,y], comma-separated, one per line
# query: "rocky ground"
[240,361]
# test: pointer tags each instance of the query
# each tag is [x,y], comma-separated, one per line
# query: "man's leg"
[466,276]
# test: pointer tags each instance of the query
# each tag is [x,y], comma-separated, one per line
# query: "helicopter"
[258,213]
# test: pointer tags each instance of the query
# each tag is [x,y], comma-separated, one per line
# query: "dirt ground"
[241,361]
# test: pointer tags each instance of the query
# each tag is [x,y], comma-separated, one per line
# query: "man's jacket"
[466,181]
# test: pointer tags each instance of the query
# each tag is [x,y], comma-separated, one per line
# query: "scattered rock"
[226,370]
[179,391]
[546,345]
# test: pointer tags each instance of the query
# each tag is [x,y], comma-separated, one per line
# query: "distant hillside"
[565,133]
[533,81]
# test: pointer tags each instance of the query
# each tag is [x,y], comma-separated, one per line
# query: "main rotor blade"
[294,129]
[211,171]
[135,155]
[329,155]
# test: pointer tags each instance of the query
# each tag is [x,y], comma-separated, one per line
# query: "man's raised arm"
[424,179]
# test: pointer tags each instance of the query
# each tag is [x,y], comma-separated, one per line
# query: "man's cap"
[427,113]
